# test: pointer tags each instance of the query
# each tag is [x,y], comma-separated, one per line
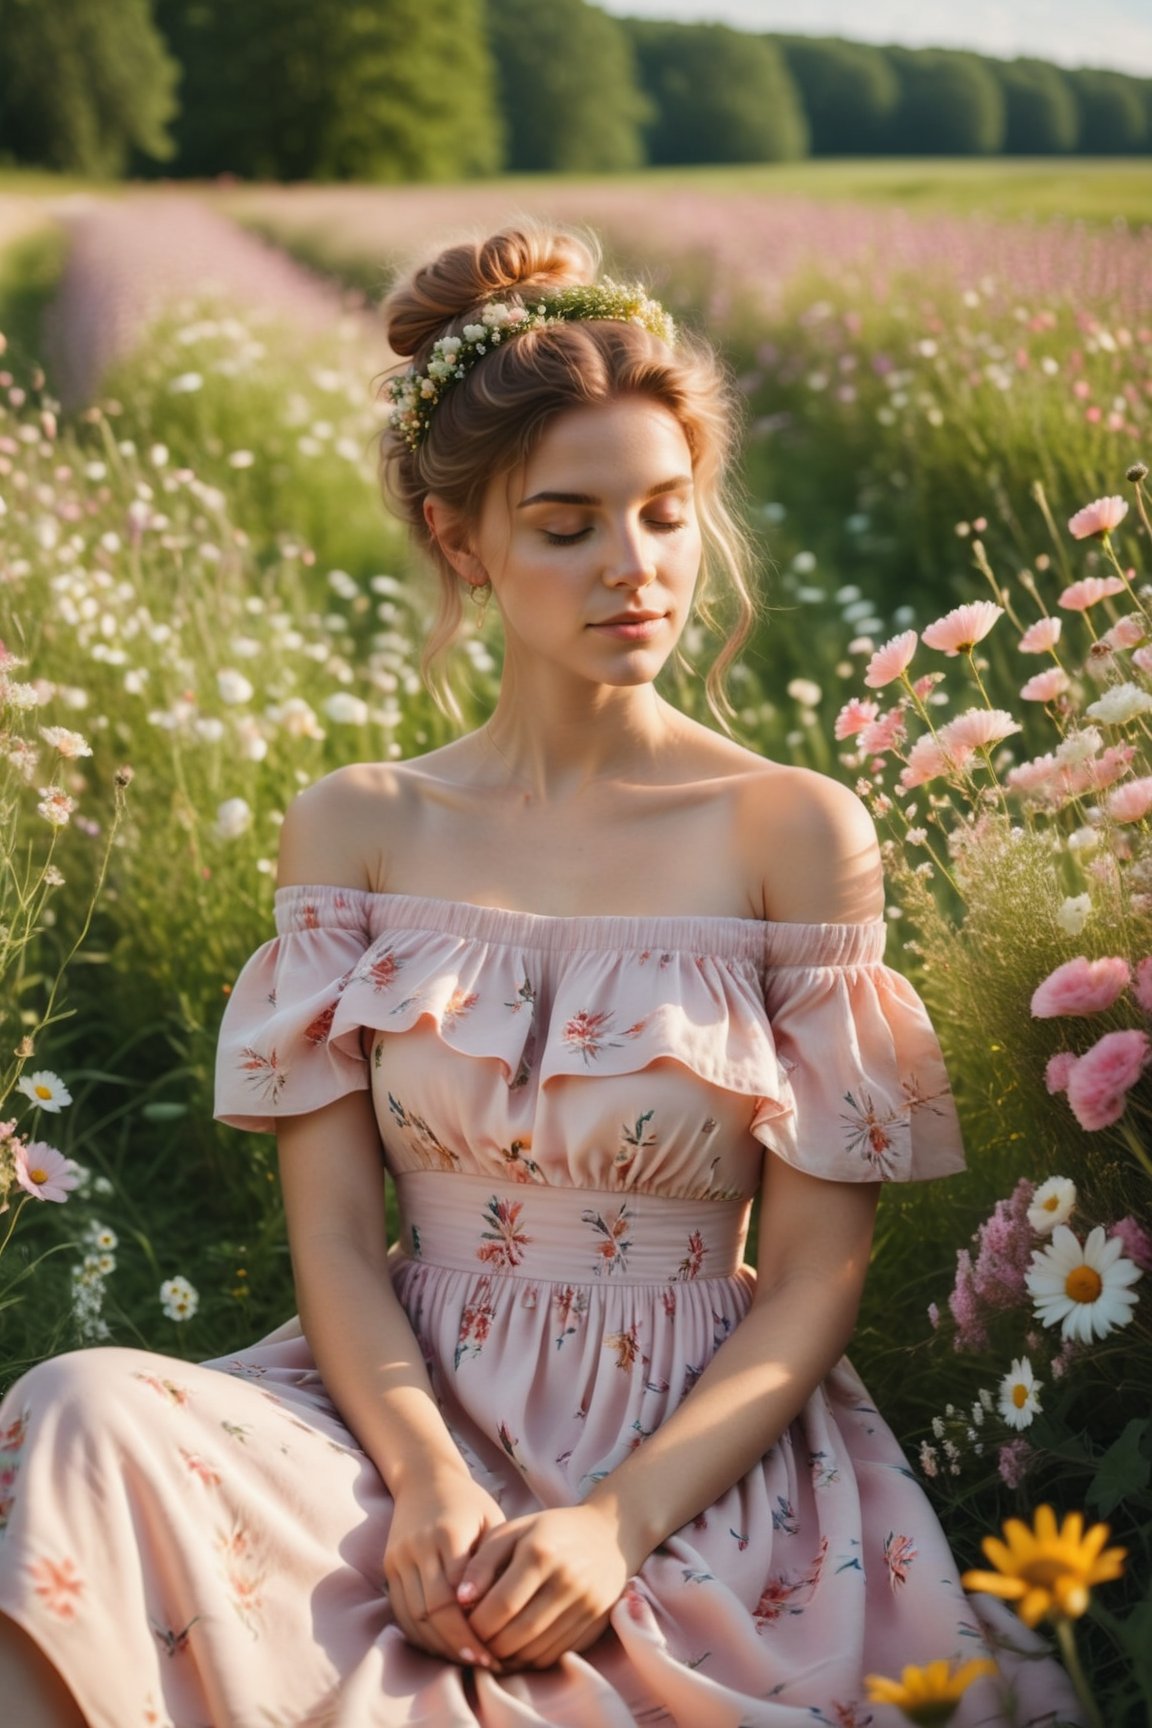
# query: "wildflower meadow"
[203,607]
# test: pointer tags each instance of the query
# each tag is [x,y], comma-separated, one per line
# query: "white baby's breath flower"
[1073,913]
[804,691]
[46,1090]
[1120,704]
[1019,1400]
[1052,1204]
[233,686]
[185,383]
[1083,1288]
[1080,746]
[55,805]
[241,459]
[346,709]
[178,1298]
[69,744]
[233,816]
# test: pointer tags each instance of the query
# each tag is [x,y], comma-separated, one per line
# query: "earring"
[480,595]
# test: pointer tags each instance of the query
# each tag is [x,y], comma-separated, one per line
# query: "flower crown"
[415,394]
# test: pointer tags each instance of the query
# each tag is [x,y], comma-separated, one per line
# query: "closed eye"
[659,526]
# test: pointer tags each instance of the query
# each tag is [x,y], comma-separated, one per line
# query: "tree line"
[392,90]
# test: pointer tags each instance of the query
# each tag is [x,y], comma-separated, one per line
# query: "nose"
[631,563]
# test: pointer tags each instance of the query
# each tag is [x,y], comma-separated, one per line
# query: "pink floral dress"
[575,1113]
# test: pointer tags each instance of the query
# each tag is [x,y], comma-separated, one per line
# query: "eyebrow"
[680,483]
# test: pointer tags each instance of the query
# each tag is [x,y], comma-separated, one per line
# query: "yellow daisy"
[928,1696]
[1046,1573]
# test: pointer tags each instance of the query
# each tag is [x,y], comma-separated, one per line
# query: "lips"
[629,618]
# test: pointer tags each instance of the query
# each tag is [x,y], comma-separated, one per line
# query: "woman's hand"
[543,1584]
[437,1522]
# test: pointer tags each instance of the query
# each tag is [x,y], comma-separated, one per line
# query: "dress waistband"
[569,1235]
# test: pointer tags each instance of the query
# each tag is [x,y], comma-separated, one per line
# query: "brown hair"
[488,423]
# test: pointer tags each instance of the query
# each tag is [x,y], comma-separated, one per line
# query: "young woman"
[581,985]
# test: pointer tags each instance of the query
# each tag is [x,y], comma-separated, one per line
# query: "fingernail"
[465,1592]
[467,1654]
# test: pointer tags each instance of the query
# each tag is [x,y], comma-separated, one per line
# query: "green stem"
[15,1220]
[1076,1673]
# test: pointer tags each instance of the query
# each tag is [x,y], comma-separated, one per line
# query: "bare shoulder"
[811,843]
[336,831]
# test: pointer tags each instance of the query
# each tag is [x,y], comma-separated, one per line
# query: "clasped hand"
[469,1586]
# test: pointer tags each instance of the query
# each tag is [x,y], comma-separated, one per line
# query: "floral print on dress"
[475,1322]
[782,1592]
[58,1585]
[174,1643]
[201,1469]
[169,1389]
[244,1571]
[460,1003]
[868,1134]
[422,1139]
[570,1305]
[517,1162]
[379,970]
[899,1553]
[633,1141]
[12,1440]
[588,1033]
[612,1251]
[263,1073]
[503,1244]
[693,1261]
[626,1345]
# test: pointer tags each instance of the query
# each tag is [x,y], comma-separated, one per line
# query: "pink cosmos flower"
[1045,686]
[882,734]
[1089,592]
[1142,660]
[1099,1084]
[43,1172]
[889,661]
[1142,984]
[961,629]
[1107,767]
[1041,636]
[854,715]
[1058,1069]
[1081,986]
[1126,632]
[1136,1240]
[976,727]
[1128,803]
[1099,517]
[927,760]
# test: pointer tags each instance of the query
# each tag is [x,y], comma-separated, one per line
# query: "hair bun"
[460,279]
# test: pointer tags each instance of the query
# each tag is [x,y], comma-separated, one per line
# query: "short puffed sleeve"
[862,1093]
[282,1049]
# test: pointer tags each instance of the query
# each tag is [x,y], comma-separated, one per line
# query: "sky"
[1115,33]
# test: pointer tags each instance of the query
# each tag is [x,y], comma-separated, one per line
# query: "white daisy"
[1019,1399]
[178,1298]
[1082,1287]
[1052,1204]
[69,744]
[46,1090]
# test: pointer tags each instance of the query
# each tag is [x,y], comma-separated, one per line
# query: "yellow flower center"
[1019,1395]
[1083,1284]
[1052,1202]
[38,1176]
[43,1091]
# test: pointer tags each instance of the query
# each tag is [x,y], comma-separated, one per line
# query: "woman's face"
[593,547]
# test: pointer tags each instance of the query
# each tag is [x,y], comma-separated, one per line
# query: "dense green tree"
[568,87]
[951,104]
[334,89]
[1113,115]
[717,95]
[1041,114]
[849,90]
[83,83]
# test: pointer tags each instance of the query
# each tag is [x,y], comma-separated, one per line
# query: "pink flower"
[1107,767]
[1013,1461]
[889,661]
[1081,986]
[927,760]
[854,716]
[1130,802]
[1046,685]
[996,1279]
[961,629]
[1099,517]
[43,1172]
[1126,632]
[1136,1240]
[1057,1070]
[1089,592]
[882,734]
[1041,636]
[1142,986]
[1142,660]
[977,726]
[1099,1084]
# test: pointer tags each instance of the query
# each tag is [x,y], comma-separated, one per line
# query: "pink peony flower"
[882,734]
[1089,592]
[1099,517]
[1128,803]
[1081,986]
[1126,632]
[1045,686]
[854,716]
[1099,1084]
[1057,1070]
[1142,984]
[977,726]
[1041,636]
[1136,1241]
[43,1172]
[889,661]
[961,629]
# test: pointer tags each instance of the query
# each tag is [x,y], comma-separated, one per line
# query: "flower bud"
[1137,472]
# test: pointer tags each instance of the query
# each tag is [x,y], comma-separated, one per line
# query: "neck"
[556,742]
